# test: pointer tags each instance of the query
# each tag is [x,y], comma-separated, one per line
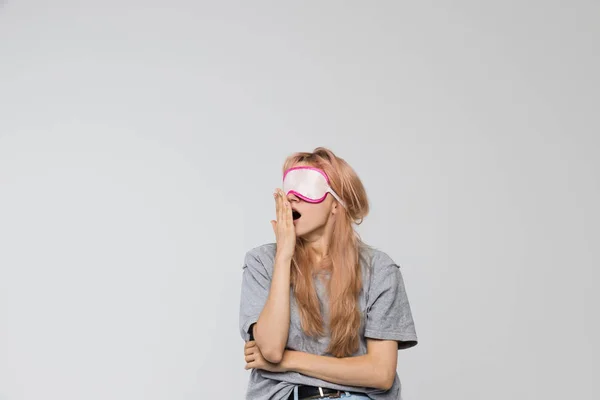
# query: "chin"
[305,231]
[300,232]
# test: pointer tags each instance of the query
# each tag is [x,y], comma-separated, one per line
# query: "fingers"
[250,347]
[283,207]
[288,213]
[283,211]
[277,205]
[250,355]
[285,215]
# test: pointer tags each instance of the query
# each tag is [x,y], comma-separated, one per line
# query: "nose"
[292,197]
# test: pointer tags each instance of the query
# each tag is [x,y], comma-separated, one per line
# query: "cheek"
[317,213]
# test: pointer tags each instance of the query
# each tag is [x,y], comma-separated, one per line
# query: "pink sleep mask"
[308,183]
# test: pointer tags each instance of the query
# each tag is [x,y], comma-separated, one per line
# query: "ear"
[334,207]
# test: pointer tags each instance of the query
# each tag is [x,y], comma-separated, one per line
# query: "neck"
[319,248]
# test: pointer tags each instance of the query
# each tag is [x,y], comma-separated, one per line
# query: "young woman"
[323,315]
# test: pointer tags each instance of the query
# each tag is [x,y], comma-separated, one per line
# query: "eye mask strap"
[334,194]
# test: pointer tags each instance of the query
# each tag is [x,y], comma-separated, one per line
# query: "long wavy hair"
[343,259]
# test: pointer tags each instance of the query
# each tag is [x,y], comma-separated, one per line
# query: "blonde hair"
[343,259]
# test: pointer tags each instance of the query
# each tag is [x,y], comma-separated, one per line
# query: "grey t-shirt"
[385,314]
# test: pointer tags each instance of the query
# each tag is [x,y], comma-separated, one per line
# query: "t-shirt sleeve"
[256,283]
[389,316]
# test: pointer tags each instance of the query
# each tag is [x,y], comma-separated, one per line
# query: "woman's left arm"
[376,369]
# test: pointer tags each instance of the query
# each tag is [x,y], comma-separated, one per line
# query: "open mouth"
[295,215]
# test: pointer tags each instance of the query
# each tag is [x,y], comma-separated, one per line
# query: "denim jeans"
[345,396]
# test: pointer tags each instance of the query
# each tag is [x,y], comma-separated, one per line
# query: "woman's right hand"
[283,227]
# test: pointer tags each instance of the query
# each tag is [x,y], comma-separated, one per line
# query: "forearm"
[363,370]
[272,327]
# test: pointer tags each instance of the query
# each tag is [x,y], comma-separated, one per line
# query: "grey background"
[140,142]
